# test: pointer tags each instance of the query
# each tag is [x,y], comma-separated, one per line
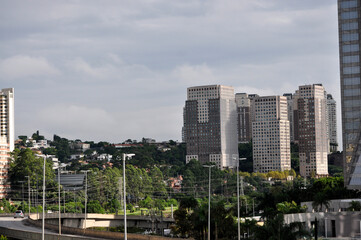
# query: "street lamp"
[238,220]
[43,220]
[125,157]
[59,197]
[28,177]
[209,200]
[86,193]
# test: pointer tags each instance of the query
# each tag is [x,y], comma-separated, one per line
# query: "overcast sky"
[118,69]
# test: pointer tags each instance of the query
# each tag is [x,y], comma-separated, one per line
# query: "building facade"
[349,18]
[312,131]
[244,122]
[289,97]
[332,123]
[210,125]
[271,135]
[7,138]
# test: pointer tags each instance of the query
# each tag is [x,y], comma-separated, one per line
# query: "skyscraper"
[312,132]
[210,125]
[332,122]
[6,136]
[244,122]
[349,19]
[271,135]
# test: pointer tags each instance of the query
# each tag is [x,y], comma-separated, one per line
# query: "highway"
[20,224]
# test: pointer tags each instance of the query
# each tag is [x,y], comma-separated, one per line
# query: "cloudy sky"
[118,69]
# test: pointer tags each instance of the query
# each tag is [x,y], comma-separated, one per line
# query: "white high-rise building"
[210,125]
[6,136]
[312,131]
[271,135]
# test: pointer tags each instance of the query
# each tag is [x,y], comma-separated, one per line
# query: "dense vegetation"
[269,195]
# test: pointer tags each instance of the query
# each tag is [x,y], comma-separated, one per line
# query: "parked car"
[19,214]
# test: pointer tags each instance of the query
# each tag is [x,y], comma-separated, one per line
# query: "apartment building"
[210,125]
[312,132]
[7,138]
[271,134]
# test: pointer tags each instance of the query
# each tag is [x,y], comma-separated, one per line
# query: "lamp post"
[86,194]
[209,200]
[43,220]
[59,197]
[125,157]
[238,219]
[28,177]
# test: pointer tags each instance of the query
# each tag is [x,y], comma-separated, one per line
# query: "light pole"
[86,193]
[209,200]
[238,219]
[59,197]
[28,177]
[125,157]
[43,220]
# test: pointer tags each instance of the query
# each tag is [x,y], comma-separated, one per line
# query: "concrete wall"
[97,234]
[331,224]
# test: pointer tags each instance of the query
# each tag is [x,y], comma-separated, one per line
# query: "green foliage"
[25,163]
[2,237]
[245,151]
[275,229]
[147,203]
[95,207]
[62,147]
[290,207]
[355,206]
[36,136]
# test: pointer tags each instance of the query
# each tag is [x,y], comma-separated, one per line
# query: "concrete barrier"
[99,234]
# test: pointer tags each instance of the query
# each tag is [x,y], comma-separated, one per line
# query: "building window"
[351,59]
[349,37]
[349,15]
[349,4]
[349,26]
[351,70]
[350,48]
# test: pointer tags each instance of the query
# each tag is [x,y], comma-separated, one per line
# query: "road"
[20,224]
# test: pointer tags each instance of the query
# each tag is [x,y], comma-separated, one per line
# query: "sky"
[119,69]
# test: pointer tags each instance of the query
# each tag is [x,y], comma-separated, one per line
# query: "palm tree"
[354,206]
[320,199]
[276,229]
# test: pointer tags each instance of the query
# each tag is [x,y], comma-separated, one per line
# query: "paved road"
[20,224]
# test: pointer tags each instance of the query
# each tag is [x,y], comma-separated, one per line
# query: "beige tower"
[312,130]
[271,135]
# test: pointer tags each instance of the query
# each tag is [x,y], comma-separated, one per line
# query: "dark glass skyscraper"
[349,17]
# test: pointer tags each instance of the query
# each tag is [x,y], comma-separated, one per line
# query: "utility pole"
[59,214]
[209,200]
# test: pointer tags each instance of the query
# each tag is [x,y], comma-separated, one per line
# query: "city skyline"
[111,72]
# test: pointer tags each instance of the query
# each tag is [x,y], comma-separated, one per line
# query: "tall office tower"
[244,124]
[332,122]
[6,136]
[289,97]
[349,18]
[271,135]
[312,129]
[210,125]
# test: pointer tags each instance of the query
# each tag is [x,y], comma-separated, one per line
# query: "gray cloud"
[127,64]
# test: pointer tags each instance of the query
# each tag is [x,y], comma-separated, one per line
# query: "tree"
[25,163]
[320,199]
[275,229]
[354,206]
